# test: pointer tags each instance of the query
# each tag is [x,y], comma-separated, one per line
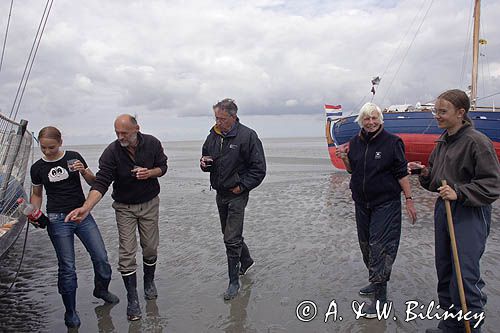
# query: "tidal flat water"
[300,228]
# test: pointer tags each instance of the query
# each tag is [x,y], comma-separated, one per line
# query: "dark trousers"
[472,227]
[379,231]
[232,212]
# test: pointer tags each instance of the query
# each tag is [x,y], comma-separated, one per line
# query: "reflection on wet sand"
[237,319]
[104,320]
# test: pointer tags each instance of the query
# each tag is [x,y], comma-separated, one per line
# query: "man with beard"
[132,163]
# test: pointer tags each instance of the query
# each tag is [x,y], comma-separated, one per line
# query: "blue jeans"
[62,234]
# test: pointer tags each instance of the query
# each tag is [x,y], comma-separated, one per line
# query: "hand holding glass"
[415,167]
[134,171]
[71,163]
[207,161]
[341,151]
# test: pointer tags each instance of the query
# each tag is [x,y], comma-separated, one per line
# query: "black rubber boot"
[233,267]
[150,291]
[245,267]
[71,318]
[381,297]
[133,307]
[245,260]
[367,290]
[101,291]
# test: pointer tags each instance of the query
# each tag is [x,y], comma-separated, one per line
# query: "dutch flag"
[333,111]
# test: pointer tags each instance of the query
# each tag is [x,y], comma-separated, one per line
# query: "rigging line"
[485,78]
[488,70]
[27,62]
[358,106]
[408,50]
[6,33]
[484,97]
[467,45]
[482,78]
[33,58]
[404,38]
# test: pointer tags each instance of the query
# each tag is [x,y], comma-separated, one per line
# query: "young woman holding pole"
[466,160]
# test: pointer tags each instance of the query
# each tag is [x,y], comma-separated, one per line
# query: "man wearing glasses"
[234,156]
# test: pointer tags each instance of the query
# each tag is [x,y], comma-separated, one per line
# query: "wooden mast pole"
[475,53]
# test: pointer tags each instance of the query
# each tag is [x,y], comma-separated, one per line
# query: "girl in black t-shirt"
[59,171]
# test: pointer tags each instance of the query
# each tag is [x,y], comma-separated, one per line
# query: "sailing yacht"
[416,125]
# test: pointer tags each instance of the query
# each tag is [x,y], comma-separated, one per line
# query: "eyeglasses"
[222,119]
[439,112]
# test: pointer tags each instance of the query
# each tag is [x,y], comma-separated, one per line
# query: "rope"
[31,58]
[6,33]
[408,49]
[484,77]
[358,106]
[467,45]
[402,39]
[497,93]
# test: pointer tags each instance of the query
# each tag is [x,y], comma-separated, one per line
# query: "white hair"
[367,110]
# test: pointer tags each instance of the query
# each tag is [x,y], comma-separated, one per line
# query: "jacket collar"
[232,132]
[376,135]
[140,140]
[445,137]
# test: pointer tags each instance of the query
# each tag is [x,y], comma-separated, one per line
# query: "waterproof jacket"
[376,166]
[238,158]
[115,165]
[468,163]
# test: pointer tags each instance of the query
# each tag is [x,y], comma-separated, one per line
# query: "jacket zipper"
[364,169]
[220,154]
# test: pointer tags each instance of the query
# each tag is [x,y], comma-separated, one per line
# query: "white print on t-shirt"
[57,174]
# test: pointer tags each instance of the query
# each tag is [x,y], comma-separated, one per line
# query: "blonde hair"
[367,110]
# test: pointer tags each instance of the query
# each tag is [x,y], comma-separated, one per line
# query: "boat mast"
[475,53]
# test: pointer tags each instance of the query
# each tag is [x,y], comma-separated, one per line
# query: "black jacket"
[238,158]
[115,166]
[376,166]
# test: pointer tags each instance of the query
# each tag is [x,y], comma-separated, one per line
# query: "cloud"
[175,59]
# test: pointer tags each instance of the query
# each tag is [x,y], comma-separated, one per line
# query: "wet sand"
[300,229]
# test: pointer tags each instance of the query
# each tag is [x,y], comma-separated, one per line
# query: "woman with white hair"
[376,160]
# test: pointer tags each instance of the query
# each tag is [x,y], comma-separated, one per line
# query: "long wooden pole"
[455,259]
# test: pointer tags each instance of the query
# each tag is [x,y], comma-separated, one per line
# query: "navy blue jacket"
[376,166]
[238,158]
[115,165]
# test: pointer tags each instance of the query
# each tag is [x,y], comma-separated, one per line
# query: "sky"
[168,62]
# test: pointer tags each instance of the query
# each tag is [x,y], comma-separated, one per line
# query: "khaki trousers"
[128,218]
